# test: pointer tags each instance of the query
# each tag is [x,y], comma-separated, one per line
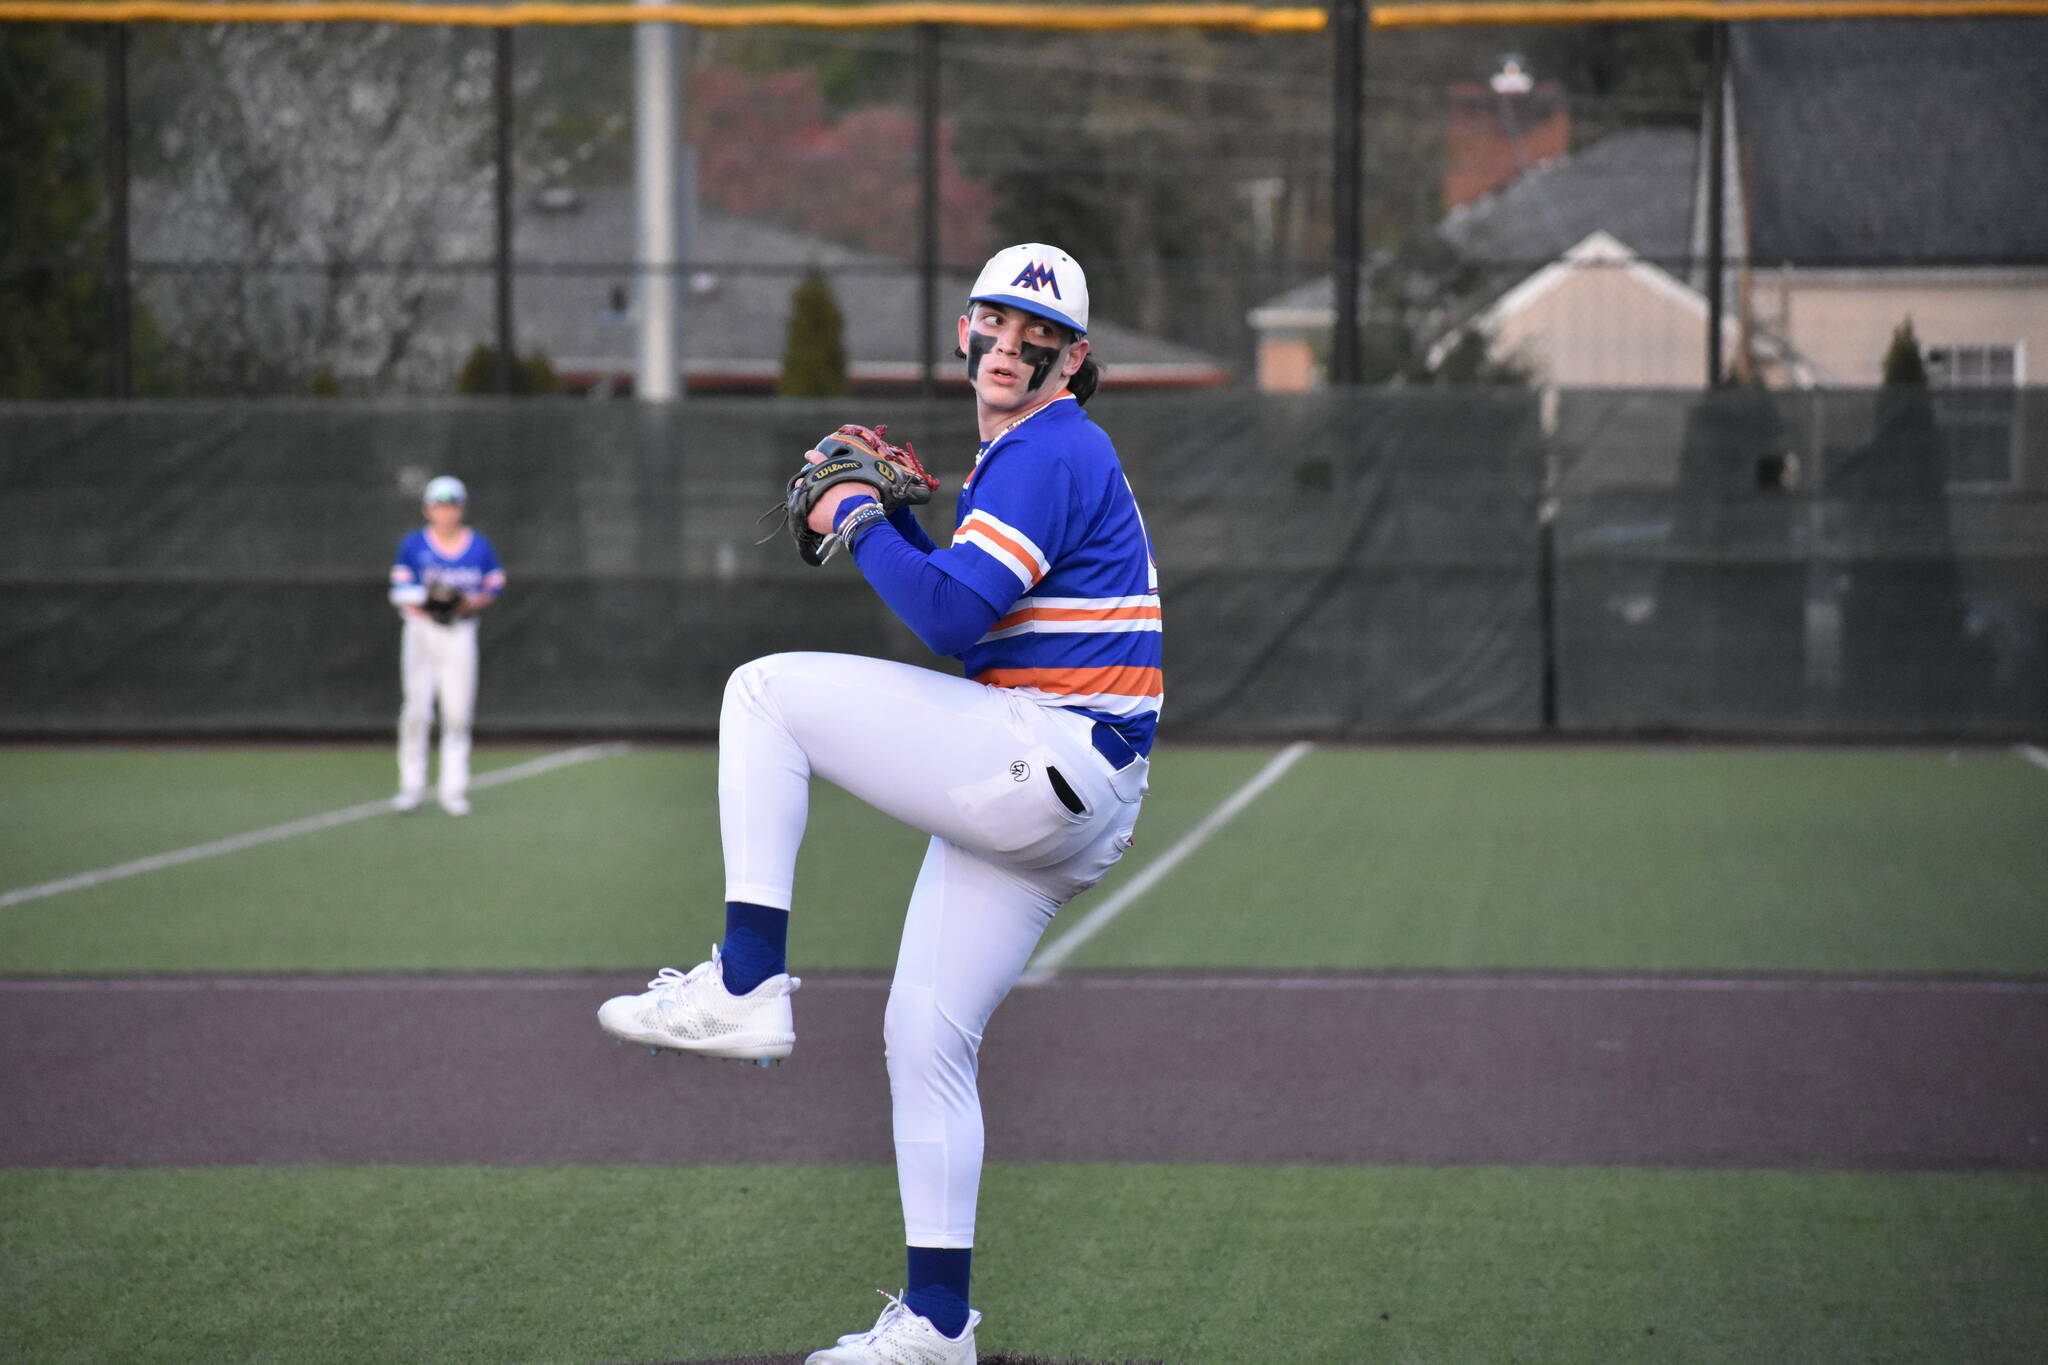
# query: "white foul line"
[1063,947]
[2037,757]
[1351,982]
[311,824]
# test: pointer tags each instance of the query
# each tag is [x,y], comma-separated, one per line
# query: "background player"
[444,575]
[1027,772]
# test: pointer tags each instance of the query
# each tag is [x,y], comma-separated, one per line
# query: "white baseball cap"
[1039,279]
[446,488]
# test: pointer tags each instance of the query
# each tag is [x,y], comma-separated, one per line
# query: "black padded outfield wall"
[1820,563]
[1476,562]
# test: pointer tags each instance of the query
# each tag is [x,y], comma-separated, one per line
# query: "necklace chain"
[1013,425]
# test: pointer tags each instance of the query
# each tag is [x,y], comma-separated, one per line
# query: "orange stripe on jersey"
[1018,618]
[1026,560]
[1116,681]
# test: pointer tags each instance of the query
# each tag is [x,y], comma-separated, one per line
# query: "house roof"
[1602,251]
[1313,304]
[1635,185]
[571,251]
[1885,141]
[736,300]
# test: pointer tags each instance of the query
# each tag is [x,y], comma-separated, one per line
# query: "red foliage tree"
[765,150]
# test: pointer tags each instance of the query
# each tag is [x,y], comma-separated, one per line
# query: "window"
[1977,403]
[1973,367]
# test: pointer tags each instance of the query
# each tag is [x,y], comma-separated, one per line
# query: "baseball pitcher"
[1027,771]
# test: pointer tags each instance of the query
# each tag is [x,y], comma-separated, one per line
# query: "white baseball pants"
[436,663]
[971,766]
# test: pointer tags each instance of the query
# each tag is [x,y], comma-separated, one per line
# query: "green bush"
[814,360]
[529,376]
[1902,362]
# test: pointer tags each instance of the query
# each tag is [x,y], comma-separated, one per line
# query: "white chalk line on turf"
[1063,947]
[441,983]
[310,825]
[2037,757]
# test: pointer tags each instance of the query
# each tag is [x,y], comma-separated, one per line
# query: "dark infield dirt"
[1912,1074]
[1786,1073]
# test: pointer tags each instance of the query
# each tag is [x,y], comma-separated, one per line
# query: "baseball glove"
[859,453]
[443,603]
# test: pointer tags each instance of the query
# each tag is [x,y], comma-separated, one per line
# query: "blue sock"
[938,1286]
[756,945]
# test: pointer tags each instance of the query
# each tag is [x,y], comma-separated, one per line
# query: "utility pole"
[655,135]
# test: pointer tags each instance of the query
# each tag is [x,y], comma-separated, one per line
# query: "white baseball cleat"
[693,1012]
[901,1337]
[405,803]
[455,805]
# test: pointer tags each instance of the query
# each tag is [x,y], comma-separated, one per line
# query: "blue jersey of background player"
[473,570]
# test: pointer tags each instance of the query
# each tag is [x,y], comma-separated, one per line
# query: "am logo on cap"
[1039,279]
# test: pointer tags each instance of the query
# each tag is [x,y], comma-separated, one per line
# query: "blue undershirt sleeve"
[905,520]
[942,611]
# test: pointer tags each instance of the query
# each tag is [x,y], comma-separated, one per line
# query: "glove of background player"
[443,603]
[853,453]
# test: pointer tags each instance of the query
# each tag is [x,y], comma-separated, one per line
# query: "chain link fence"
[1623,460]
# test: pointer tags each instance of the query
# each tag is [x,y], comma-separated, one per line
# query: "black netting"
[1425,562]
[1797,563]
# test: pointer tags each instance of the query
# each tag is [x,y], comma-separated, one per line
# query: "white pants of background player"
[436,663]
[965,763]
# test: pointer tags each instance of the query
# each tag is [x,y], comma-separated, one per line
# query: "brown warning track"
[1438,1070]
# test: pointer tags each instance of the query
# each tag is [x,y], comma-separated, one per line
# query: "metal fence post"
[501,81]
[1347,27]
[1717,189]
[120,361]
[928,208]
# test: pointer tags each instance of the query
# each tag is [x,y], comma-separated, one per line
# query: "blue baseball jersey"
[472,569]
[1049,533]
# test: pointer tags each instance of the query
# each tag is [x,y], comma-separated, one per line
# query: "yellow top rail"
[1476,15]
[1255,18]
[1248,18]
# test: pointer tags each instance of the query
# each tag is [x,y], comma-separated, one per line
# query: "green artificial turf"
[1184,1264]
[1690,860]
[613,863]
[1625,859]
